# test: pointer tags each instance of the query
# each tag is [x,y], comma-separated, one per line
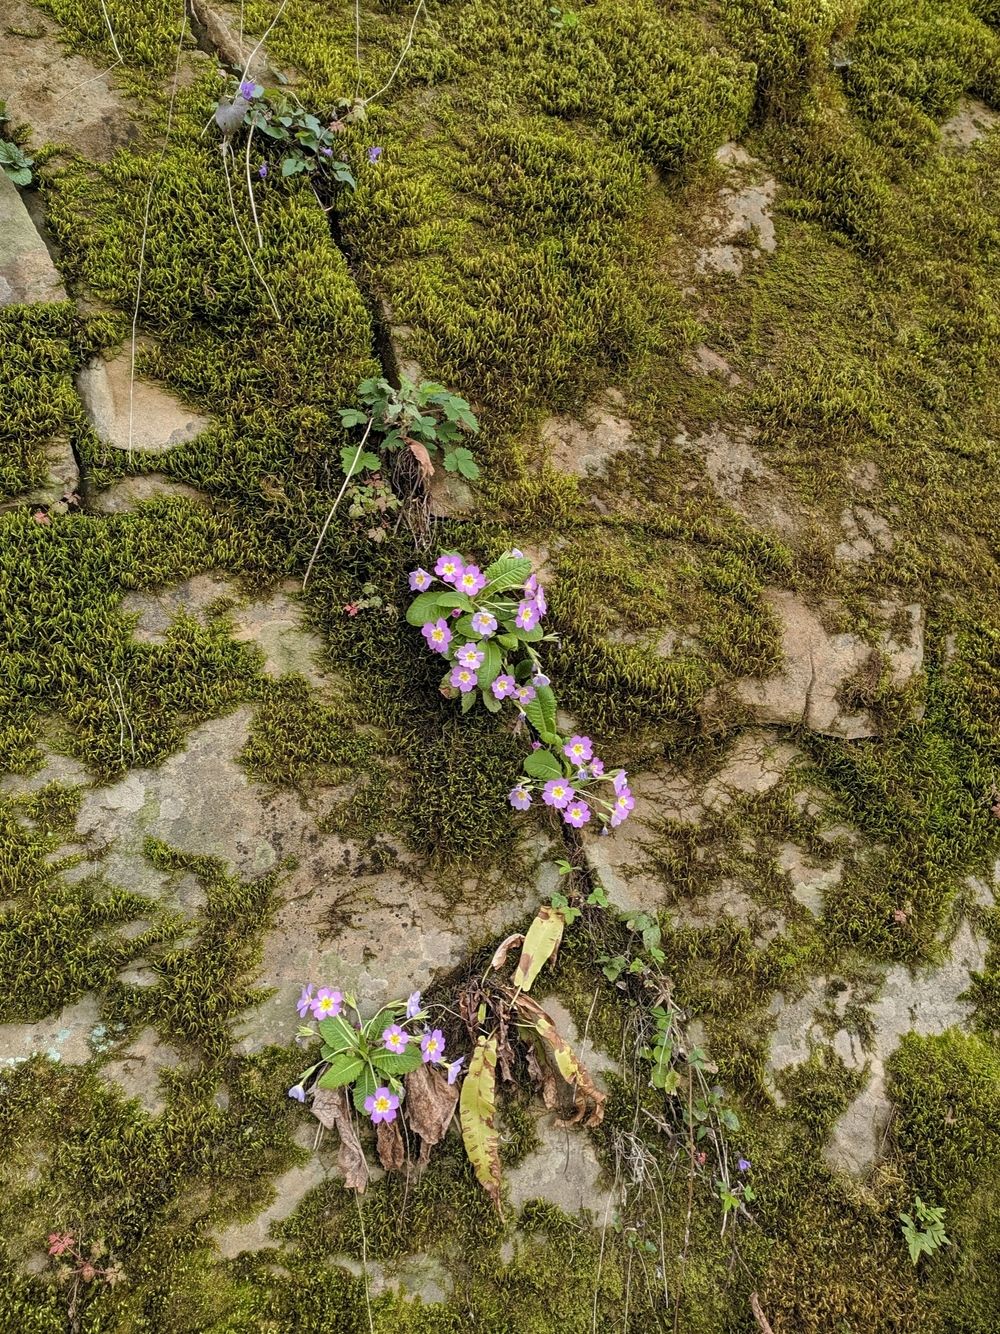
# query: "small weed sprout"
[923,1230]
[426,419]
[78,1264]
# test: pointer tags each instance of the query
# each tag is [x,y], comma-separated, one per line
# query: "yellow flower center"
[381,1104]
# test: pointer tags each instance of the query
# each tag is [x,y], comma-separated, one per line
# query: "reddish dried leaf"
[500,957]
[566,1084]
[420,453]
[389,1141]
[430,1105]
[332,1109]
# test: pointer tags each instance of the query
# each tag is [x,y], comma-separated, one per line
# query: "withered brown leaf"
[333,1110]
[430,1105]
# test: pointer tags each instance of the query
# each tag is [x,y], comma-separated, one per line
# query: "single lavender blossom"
[327,1004]
[558,793]
[484,624]
[297,1091]
[248,90]
[464,678]
[519,798]
[413,1005]
[579,748]
[438,635]
[420,581]
[596,767]
[503,686]
[577,813]
[471,580]
[470,655]
[395,1038]
[305,1001]
[262,171]
[374,153]
[540,600]
[432,1046]
[449,568]
[743,1165]
[539,680]
[381,1105]
[454,1069]
[619,780]
[527,615]
[525,694]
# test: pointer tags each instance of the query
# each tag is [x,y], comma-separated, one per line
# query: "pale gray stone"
[132,413]
[131,492]
[865,533]
[809,883]
[67,1037]
[564,1170]
[971,122]
[584,447]
[742,210]
[135,1069]
[27,274]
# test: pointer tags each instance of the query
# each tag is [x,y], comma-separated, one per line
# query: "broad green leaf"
[378,1023]
[542,712]
[507,572]
[343,1069]
[542,764]
[398,1062]
[508,641]
[352,417]
[492,662]
[338,1034]
[424,608]
[468,700]
[352,462]
[364,1088]
[477,1114]
[493,705]
[540,945]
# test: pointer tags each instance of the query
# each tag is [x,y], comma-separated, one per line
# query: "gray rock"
[741,211]
[971,122]
[131,413]
[64,97]
[67,1037]
[223,29]
[131,492]
[564,1170]
[809,883]
[818,664]
[865,533]
[27,274]
[582,447]
[135,1070]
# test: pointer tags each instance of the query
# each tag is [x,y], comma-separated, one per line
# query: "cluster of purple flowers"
[493,615]
[382,1105]
[564,794]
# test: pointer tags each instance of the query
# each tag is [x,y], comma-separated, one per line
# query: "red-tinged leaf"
[389,1141]
[40,516]
[420,453]
[540,944]
[500,956]
[566,1085]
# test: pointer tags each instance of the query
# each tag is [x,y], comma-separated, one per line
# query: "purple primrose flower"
[432,1046]
[413,1005]
[248,90]
[540,679]
[558,793]
[420,581]
[619,780]
[449,568]
[484,624]
[374,153]
[470,655]
[503,686]
[743,1165]
[327,1004]
[577,813]
[395,1038]
[527,615]
[305,1001]
[464,678]
[579,748]
[297,1091]
[454,1069]
[381,1105]
[525,694]
[438,635]
[471,580]
[519,798]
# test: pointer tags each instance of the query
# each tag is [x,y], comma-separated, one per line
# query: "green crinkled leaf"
[364,1088]
[424,608]
[398,1062]
[492,662]
[352,462]
[493,705]
[542,764]
[507,572]
[541,712]
[343,1069]
[468,700]
[379,1022]
[338,1034]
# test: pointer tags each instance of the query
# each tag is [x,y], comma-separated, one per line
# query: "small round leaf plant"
[427,419]
[300,142]
[370,1059]
[487,626]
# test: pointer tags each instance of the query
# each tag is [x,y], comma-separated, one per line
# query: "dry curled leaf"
[540,944]
[420,453]
[430,1106]
[500,957]
[565,1083]
[333,1110]
[477,1113]
[389,1142]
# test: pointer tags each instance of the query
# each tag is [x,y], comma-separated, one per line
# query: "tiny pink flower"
[577,813]
[579,748]
[484,624]
[470,655]
[525,694]
[395,1038]
[471,580]
[464,678]
[519,798]
[432,1046]
[327,1004]
[503,686]
[420,581]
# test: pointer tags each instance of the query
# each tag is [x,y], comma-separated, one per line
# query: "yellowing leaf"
[477,1113]
[566,1085]
[540,945]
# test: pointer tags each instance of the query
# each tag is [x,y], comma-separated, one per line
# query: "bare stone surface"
[62,96]
[740,477]
[131,413]
[865,533]
[809,883]
[62,481]
[579,447]
[706,361]
[742,219]
[450,496]
[563,1169]
[818,665]
[136,1068]
[223,28]
[130,492]
[27,274]
[971,122]
[925,1001]
[289,1189]
[66,1037]
[755,763]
